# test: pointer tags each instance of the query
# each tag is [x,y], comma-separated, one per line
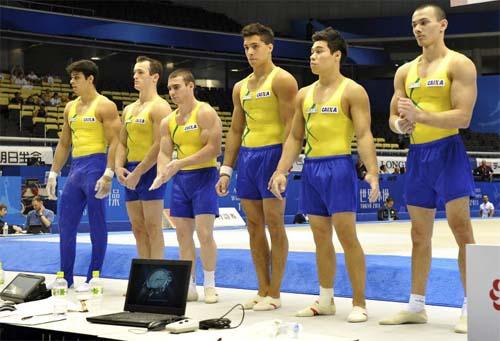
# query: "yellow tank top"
[329,131]
[186,137]
[430,94]
[263,122]
[87,132]
[140,133]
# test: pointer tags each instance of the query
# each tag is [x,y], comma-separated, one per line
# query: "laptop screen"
[158,286]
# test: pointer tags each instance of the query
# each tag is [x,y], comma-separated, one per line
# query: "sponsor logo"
[414,85]
[329,110]
[140,120]
[89,119]
[495,294]
[191,127]
[435,83]
[263,94]
[72,119]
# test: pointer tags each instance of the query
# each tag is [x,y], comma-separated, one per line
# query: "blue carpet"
[388,277]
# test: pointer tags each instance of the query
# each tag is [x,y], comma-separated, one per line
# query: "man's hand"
[121,175]
[132,180]
[103,187]
[372,180]
[277,184]
[166,174]
[407,110]
[51,186]
[222,186]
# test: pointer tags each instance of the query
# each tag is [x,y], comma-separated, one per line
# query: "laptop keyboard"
[140,317]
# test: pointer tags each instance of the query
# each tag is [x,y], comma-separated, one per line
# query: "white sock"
[209,279]
[464,307]
[325,296]
[416,303]
[192,282]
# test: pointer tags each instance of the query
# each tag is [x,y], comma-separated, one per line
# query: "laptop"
[157,291]
[37,229]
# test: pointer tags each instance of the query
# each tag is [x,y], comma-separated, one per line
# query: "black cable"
[222,322]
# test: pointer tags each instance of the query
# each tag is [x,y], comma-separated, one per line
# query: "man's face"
[3,212]
[142,77]
[36,205]
[256,50]
[390,203]
[427,29]
[178,90]
[485,199]
[322,60]
[79,83]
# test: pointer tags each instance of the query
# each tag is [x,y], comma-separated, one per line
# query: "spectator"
[300,219]
[32,77]
[486,209]
[388,212]
[17,99]
[402,170]
[40,218]
[31,100]
[55,100]
[50,79]
[40,112]
[11,228]
[360,169]
[383,170]
[16,71]
[484,172]
[396,170]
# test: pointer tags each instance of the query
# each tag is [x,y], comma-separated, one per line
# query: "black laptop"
[157,291]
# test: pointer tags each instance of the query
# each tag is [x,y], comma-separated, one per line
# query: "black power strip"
[219,323]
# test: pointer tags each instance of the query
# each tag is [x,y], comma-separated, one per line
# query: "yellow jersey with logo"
[186,137]
[87,132]
[140,135]
[430,94]
[328,130]
[261,108]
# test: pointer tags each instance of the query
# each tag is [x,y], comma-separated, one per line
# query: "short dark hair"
[2,206]
[334,40]
[37,198]
[154,65]
[265,33]
[389,199]
[85,66]
[438,10]
[186,75]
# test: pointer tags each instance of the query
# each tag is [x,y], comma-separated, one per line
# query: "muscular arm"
[359,105]
[293,143]
[64,145]
[121,146]
[108,115]
[160,110]
[285,87]
[233,138]
[166,145]
[211,136]
[399,92]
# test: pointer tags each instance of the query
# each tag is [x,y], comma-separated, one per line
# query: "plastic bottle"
[60,293]
[96,292]
[5,228]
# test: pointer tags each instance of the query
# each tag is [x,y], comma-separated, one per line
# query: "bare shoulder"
[206,110]
[402,71]
[106,103]
[303,91]
[460,63]
[161,105]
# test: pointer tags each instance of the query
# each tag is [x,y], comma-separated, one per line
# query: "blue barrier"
[116,213]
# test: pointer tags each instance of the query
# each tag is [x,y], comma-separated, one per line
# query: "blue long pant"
[79,192]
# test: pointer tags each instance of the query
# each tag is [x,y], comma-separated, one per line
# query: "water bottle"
[2,275]
[5,229]
[59,293]
[96,292]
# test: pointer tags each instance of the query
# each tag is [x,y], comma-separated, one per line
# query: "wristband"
[226,170]
[52,175]
[397,127]
[109,173]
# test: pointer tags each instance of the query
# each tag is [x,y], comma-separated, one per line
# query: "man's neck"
[263,70]
[89,96]
[433,52]
[147,95]
[187,107]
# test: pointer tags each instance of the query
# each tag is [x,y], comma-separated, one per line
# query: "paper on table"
[17,319]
